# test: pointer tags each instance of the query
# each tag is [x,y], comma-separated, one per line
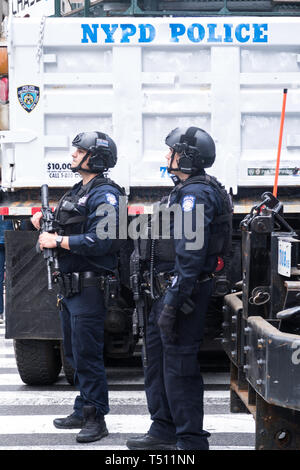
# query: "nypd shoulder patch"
[111,199]
[188,203]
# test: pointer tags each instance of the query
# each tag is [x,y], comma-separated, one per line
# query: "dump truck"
[136,73]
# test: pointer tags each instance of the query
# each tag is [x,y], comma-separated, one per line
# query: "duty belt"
[165,280]
[72,283]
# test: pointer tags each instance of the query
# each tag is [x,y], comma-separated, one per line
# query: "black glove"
[167,322]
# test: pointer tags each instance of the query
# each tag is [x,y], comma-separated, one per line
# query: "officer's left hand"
[47,240]
[167,322]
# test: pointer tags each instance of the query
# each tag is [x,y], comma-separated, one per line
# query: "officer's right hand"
[35,220]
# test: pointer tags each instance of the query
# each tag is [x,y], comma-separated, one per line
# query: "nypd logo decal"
[28,96]
[188,203]
[111,199]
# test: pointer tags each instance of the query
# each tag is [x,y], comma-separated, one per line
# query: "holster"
[71,284]
[164,280]
[111,287]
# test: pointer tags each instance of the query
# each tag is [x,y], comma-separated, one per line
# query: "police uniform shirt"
[190,264]
[87,251]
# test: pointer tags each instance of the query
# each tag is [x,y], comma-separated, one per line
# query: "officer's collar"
[90,181]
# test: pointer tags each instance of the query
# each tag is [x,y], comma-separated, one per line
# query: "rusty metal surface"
[244,397]
[233,328]
[273,359]
[277,428]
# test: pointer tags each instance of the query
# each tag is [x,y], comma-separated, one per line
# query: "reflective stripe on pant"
[173,382]
[83,331]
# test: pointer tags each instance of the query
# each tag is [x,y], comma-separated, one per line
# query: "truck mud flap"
[30,309]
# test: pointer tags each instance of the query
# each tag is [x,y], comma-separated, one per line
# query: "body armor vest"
[70,217]
[221,227]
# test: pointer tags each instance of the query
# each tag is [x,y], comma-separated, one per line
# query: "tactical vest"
[68,217]
[220,228]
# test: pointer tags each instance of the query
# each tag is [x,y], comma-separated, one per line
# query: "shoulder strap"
[205,179]
[213,182]
[101,181]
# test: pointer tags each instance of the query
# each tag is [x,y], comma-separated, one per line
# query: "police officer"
[84,260]
[173,382]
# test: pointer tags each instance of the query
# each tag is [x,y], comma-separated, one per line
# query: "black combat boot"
[148,442]
[70,422]
[94,426]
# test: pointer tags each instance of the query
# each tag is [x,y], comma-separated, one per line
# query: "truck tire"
[68,369]
[38,361]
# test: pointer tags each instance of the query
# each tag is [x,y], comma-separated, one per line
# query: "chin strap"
[169,168]
[175,179]
[78,167]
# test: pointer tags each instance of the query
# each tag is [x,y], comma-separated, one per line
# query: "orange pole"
[279,143]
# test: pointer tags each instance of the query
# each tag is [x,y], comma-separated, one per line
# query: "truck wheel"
[68,369]
[38,361]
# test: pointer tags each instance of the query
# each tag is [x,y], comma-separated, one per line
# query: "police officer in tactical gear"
[84,262]
[173,382]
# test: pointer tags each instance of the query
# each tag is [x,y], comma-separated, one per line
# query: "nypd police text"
[211,33]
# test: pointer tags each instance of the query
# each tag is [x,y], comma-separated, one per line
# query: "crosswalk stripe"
[7,346]
[124,397]
[121,424]
[95,446]
[8,361]
[13,378]
[67,447]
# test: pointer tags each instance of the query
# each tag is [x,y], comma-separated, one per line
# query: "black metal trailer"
[262,328]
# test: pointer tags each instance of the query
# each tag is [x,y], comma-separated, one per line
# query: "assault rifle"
[47,225]
[138,296]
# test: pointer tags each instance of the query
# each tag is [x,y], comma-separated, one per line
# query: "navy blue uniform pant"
[2,269]
[173,382]
[82,319]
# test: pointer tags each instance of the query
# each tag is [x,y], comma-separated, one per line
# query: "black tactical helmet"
[101,149]
[194,145]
